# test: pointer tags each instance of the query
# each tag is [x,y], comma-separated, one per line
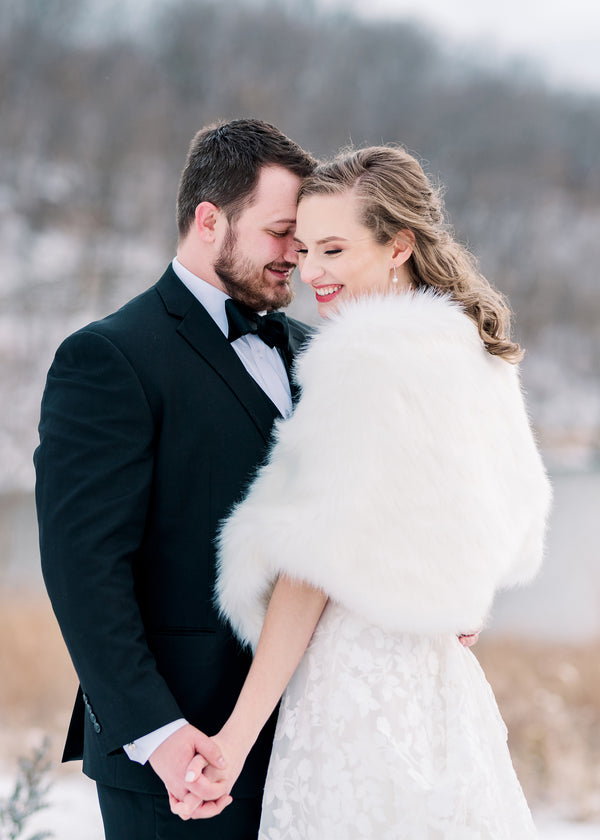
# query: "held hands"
[202,776]
[170,762]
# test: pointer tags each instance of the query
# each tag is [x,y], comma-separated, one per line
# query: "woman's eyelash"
[330,251]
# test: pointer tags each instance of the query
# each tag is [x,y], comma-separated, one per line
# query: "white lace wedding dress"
[390,737]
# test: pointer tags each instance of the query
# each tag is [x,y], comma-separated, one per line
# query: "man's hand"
[170,762]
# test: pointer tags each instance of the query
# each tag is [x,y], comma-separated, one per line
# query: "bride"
[403,493]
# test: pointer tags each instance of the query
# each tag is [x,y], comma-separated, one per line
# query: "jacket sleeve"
[94,470]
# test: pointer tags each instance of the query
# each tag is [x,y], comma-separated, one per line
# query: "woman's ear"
[403,245]
[207,219]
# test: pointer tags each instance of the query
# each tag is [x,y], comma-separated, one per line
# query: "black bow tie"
[272,328]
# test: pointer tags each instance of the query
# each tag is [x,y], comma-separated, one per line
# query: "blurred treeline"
[99,101]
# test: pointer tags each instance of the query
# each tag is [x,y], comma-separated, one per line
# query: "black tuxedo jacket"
[150,430]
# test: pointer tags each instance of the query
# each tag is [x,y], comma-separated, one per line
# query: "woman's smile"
[326,293]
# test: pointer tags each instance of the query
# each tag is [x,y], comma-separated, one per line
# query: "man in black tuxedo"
[153,421]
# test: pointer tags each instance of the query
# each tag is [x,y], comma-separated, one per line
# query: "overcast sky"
[563,36]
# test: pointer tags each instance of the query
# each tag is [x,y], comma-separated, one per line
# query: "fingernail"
[221,762]
[190,776]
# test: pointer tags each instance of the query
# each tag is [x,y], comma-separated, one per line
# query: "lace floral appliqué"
[390,737]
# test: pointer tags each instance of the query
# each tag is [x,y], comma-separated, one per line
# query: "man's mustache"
[282,266]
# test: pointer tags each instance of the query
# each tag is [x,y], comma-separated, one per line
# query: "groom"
[153,421]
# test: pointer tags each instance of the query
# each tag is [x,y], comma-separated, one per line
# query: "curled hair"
[395,194]
[224,162]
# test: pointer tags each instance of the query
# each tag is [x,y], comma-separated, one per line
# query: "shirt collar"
[211,298]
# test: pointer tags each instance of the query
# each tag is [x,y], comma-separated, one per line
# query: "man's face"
[257,257]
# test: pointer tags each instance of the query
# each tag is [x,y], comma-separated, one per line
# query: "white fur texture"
[407,484]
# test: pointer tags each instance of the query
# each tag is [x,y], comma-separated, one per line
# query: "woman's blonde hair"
[395,194]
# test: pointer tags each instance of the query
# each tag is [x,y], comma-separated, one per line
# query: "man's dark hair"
[224,163]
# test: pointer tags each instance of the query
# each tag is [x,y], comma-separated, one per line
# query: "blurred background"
[98,102]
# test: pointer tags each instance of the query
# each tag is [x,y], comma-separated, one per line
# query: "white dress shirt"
[266,367]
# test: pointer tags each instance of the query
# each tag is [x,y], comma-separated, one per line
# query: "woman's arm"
[292,615]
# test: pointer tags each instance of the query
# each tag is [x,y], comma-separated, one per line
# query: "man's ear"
[404,242]
[207,219]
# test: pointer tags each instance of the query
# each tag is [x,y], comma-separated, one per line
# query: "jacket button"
[97,728]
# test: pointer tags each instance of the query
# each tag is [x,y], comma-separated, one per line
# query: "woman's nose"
[310,270]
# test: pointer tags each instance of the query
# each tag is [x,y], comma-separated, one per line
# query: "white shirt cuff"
[142,749]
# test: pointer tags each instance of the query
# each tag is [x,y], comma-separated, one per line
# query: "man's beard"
[246,283]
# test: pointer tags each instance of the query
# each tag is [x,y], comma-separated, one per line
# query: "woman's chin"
[326,310]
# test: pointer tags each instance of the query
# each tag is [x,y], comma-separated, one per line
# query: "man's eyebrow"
[283,222]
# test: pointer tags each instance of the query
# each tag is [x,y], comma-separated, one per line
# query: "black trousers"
[142,816]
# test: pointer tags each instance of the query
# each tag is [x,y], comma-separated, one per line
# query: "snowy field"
[74,814]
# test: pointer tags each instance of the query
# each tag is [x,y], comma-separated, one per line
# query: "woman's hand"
[190,807]
[235,753]
[235,749]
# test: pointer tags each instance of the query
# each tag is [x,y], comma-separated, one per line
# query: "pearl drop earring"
[395,277]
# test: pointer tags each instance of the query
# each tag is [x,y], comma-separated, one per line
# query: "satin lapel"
[200,331]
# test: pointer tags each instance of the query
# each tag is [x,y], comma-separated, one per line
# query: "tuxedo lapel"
[200,331]
[216,350]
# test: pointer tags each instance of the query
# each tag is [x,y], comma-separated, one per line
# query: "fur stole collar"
[407,484]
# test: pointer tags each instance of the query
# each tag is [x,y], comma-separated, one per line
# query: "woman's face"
[339,257]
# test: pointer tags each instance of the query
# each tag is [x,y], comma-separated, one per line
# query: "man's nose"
[290,254]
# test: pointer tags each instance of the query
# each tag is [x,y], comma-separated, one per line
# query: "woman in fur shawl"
[403,493]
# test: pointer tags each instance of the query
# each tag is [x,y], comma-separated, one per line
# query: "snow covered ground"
[74,814]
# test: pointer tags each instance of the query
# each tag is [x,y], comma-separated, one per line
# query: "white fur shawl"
[407,484]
